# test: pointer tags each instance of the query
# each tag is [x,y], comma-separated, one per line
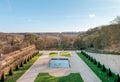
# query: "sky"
[56,15]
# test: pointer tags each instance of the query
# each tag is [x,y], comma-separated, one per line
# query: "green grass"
[53,54]
[66,54]
[102,75]
[40,53]
[17,74]
[45,77]
[102,52]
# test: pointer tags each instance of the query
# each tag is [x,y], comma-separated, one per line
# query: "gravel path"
[42,66]
[86,73]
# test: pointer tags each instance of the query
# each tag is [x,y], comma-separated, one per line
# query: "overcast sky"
[56,15]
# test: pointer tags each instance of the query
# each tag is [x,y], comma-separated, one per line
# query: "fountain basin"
[59,63]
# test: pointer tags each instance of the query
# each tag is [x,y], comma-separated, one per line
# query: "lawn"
[17,74]
[45,77]
[102,75]
[66,54]
[40,53]
[53,54]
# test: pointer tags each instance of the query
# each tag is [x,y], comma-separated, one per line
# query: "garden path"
[42,66]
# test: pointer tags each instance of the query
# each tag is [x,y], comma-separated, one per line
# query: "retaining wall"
[14,58]
[109,60]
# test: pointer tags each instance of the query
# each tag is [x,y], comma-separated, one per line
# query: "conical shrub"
[109,72]
[16,67]
[10,71]
[21,64]
[118,78]
[91,59]
[28,59]
[98,65]
[95,62]
[3,77]
[103,68]
[25,61]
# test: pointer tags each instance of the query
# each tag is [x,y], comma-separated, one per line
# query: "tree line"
[104,38]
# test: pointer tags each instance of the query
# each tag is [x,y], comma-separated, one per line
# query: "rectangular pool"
[59,63]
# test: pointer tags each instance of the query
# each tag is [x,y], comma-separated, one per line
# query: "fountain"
[59,63]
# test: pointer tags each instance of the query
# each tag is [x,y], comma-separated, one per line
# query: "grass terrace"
[40,53]
[45,77]
[18,73]
[53,54]
[66,54]
[97,69]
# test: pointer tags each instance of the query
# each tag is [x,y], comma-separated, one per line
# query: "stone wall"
[109,60]
[15,58]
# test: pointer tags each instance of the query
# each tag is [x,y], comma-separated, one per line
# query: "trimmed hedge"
[21,64]
[109,73]
[103,68]
[3,77]
[16,67]
[10,71]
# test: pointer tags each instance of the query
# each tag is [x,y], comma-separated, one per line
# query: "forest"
[103,38]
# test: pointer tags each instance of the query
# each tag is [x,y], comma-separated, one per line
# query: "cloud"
[92,15]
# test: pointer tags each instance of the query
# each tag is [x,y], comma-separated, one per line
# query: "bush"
[25,61]
[109,72]
[86,55]
[21,64]
[10,71]
[118,78]
[103,68]
[16,67]
[33,55]
[3,77]
[91,59]
[95,62]
[98,65]
[28,59]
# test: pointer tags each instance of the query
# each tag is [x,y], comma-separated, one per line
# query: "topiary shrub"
[33,55]
[25,61]
[98,65]
[10,71]
[91,59]
[28,59]
[87,56]
[109,72]
[103,68]
[118,78]
[95,62]
[3,77]
[21,64]
[16,67]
